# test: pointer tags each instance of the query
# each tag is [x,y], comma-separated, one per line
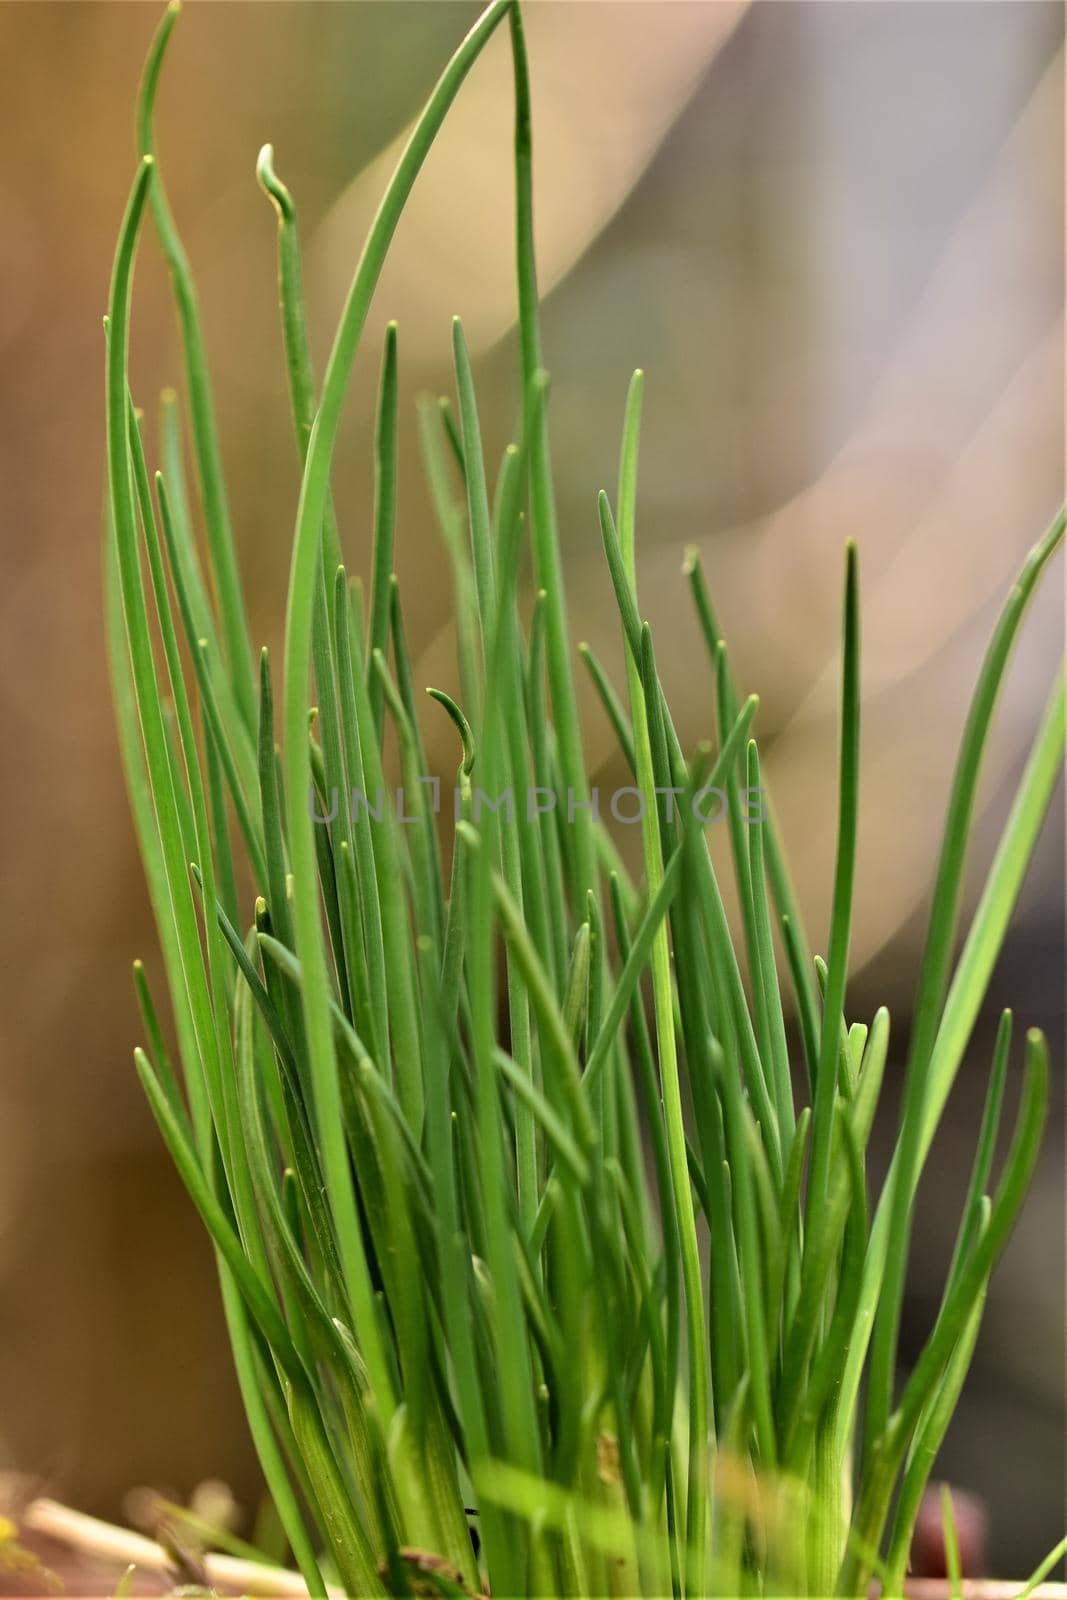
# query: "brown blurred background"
[833,237]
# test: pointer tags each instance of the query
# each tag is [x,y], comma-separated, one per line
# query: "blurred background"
[832,235]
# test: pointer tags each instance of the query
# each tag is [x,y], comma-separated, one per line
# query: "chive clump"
[537,1282]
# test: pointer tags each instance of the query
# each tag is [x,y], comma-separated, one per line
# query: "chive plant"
[547,1255]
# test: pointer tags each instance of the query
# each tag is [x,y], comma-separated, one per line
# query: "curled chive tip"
[273,186]
[465,731]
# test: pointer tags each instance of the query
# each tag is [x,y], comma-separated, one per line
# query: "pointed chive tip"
[138,965]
